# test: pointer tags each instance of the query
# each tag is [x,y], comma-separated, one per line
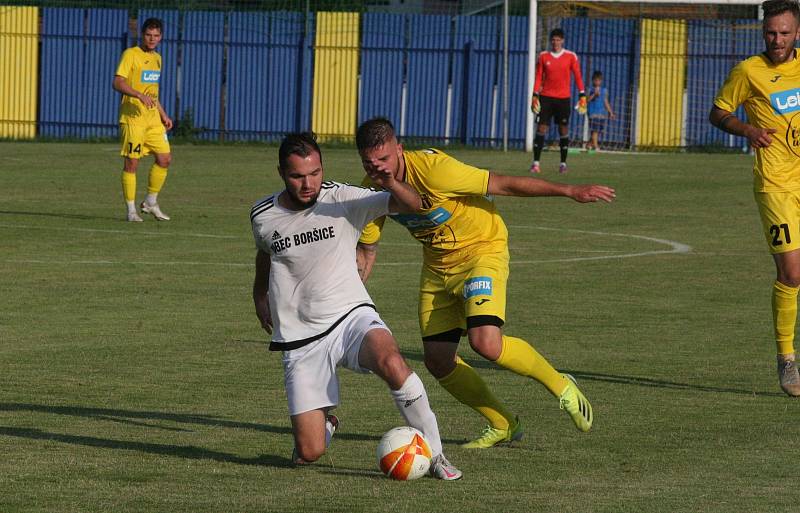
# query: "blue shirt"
[597,107]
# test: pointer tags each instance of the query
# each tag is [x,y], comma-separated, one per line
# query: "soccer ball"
[404,454]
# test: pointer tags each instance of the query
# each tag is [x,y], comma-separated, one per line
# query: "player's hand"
[383,177]
[592,193]
[266,321]
[581,107]
[760,137]
[167,123]
[147,101]
[536,107]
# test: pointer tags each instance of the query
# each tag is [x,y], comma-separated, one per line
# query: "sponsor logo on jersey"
[785,102]
[775,78]
[793,135]
[422,222]
[300,239]
[150,76]
[482,301]
[276,235]
[478,286]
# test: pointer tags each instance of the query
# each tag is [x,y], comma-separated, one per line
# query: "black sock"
[563,144]
[538,144]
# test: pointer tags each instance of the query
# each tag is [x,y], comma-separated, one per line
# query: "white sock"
[151,199]
[328,432]
[131,207]
[412,401]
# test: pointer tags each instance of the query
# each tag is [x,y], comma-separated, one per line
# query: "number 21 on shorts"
[776,230]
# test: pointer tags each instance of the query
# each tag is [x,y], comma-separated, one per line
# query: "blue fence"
[249,75]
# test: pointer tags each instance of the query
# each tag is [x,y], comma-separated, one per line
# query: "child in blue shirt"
[599,106]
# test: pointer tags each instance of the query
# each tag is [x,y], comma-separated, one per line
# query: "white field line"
[673,247]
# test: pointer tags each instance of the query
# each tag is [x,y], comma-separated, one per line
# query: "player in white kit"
[308,295]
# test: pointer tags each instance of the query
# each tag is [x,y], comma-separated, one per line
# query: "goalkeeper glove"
[581,106]
[535,106]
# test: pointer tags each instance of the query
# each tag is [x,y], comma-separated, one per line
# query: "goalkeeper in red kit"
[551,96]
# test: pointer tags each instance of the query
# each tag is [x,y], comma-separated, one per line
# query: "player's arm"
[527,186]
[166,120]
[537,85]
[608,108]
[261,290]
[576,72]
[727,122]
[365,259]
[121,85]
[403,197]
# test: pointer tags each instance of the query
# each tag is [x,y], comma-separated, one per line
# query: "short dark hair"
[152,23]
[597,74]
[373,133]
[775,7]
[556,32]
[302,144]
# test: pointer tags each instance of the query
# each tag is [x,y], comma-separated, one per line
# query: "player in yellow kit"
[143,123]
[465,271]
[768,85]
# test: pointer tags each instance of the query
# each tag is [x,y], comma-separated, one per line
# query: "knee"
[439,365]
[164,160]
[310,453]
[393,366]
[488,347]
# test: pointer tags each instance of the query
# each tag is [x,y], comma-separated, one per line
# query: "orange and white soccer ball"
[404,454]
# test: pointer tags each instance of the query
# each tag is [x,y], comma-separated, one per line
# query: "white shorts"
[309,372]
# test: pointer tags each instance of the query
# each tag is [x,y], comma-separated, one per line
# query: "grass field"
[134,375]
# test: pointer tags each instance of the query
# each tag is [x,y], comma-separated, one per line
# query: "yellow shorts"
[139,140]
[780,219]
[475,287]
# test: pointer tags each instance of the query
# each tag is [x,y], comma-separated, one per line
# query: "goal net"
[662,64]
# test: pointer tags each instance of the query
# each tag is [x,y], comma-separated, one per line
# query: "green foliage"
[135,377]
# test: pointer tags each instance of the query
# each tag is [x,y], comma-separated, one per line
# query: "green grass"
[134,375]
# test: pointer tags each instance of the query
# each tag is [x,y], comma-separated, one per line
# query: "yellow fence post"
[662,80]
[335,101]
[19,65]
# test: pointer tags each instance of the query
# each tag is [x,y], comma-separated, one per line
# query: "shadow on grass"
[672,385]
[618,379]
[181,451]
[60,214]
[126,416]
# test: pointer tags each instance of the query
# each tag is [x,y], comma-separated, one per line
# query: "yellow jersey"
[771,98]
[142,71]
[458,220]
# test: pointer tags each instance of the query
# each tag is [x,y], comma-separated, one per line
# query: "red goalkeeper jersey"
[552,74]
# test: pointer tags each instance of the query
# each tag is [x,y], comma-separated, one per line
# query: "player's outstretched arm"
[527,186]
[261,291]
[365,259]
[727,122]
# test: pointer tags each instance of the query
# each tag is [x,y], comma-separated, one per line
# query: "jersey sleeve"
[363,204]
[537,83]
[576,72]
[734,91]
[453,178]
[124,66]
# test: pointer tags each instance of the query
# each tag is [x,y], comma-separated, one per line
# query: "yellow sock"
[784,315]
[520,357]
[465,385]
[158,175]
[129,186]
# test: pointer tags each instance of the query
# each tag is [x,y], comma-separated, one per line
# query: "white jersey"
[313,280]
